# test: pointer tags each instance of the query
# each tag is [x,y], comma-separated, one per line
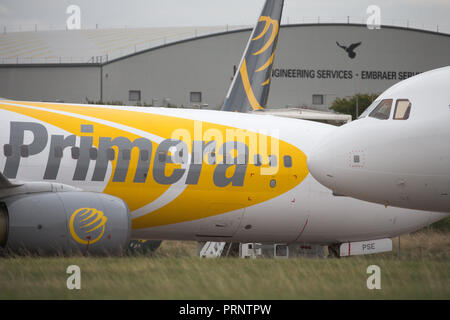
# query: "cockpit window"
[383,110]
[402,109]
[369,109]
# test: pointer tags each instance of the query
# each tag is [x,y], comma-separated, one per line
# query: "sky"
[24,15]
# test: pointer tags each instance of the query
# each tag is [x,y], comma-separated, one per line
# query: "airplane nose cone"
[315,165]
[320,165]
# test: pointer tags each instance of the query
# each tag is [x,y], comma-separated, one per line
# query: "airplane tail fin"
[251,84]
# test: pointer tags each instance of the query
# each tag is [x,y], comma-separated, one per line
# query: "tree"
[348,105]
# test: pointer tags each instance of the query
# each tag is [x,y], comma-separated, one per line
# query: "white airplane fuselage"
[275,201]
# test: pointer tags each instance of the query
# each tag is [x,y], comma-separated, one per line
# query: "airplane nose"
[314,164]
[320,165]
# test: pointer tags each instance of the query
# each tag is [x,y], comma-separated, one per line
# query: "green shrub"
[348,105]
[442,225]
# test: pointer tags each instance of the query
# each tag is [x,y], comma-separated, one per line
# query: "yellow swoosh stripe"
[266,28]
[271,40]
[267,64]
[265,83]
[248,88]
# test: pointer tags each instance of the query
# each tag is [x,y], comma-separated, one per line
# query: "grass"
[442,225]
[175,273]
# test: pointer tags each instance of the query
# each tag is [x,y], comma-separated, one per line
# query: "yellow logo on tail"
[269,22]
[244,73]
[87,225]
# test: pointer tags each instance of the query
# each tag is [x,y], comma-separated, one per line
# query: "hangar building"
[193,67]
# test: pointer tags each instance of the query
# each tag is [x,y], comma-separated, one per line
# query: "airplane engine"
[64,222]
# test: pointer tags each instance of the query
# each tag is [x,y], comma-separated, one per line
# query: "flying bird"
[350,49]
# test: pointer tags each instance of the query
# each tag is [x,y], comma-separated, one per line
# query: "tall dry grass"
[174,272]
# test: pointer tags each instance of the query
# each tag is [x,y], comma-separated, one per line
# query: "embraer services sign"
[309,73]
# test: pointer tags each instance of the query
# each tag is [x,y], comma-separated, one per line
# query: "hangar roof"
[91,46]
[103,45]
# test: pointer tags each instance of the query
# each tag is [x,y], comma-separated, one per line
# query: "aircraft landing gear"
[142,247]
[334,251]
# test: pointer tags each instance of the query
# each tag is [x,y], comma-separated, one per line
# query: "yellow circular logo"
[87,225]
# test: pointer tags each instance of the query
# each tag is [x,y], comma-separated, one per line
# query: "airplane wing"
[5,183]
